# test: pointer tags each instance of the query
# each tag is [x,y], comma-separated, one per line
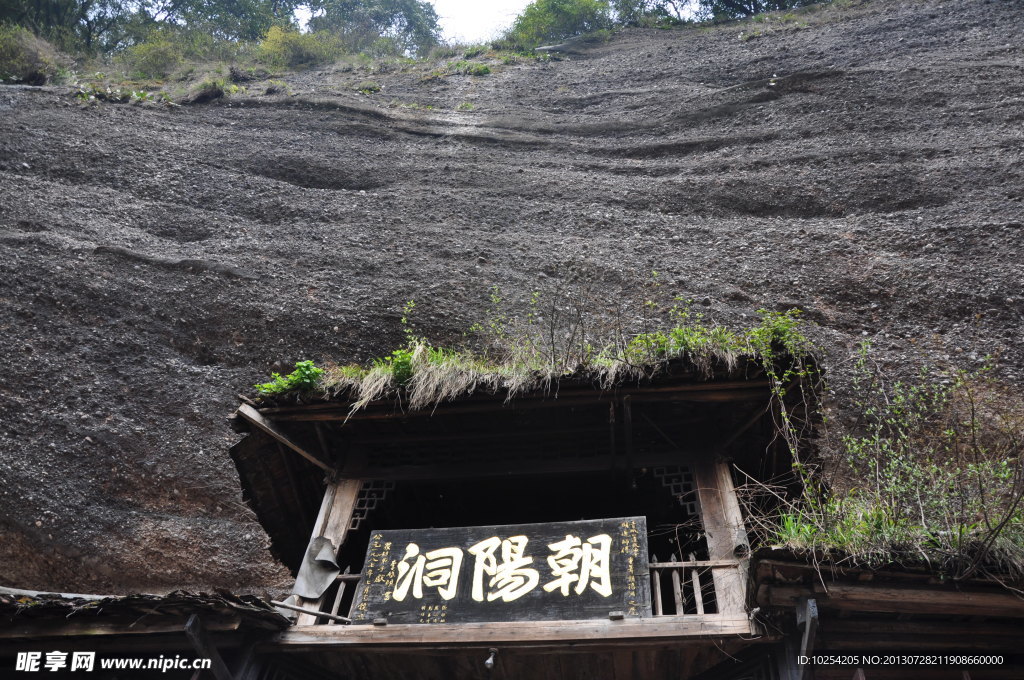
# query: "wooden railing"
[686,588]
[677,589]
[345,581]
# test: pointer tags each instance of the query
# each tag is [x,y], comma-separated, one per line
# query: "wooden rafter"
[264,425]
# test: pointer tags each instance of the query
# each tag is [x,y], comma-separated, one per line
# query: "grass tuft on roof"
[424,375]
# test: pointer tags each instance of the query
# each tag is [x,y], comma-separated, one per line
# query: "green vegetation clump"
[368,87]
[416,106]
[556,338]
[276,87]
[212,89]
[282,47]
[551,21]
[26,58]
[306,376]
[468,68]
[89,93]
[554,20]
[725,10]
[381,27]
[155,59]
[931,475]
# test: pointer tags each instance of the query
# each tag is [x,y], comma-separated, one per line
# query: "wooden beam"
[742,390]
[912,641]
[161,641]
[313,612]
[196,634]
[471,437]
[29,628]
[897,600]
[1009,671]
[333,523]
[264,425]
[757,415]
[884,628]
[498,468]
[725,533]
[695,563]
[554,633]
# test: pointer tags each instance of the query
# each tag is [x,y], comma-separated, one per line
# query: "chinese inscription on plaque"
[567,570]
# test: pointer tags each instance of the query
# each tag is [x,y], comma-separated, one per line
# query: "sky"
[474,21]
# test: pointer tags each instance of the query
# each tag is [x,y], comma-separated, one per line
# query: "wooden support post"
[786,661]
[806,618]
[254,417]
[247,668]
[611,432]
[656,588]
[627,418]
[725,532]
[200,641]
[333,522]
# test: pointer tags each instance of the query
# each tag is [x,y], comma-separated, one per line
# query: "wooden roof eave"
[385,409]
[261,423]
[783,583]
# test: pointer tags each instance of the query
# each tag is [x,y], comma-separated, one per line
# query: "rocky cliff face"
[862,162]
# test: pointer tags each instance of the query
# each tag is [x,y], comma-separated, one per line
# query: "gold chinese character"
[437,569]
[511,578]
[583,563]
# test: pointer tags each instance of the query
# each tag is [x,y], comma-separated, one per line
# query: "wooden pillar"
[725,532]
[332,522]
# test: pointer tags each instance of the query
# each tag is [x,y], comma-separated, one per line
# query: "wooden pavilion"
[662,450]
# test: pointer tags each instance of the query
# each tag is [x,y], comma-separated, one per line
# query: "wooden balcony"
[686,607]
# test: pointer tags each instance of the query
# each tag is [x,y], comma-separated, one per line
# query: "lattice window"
[370,495]
[680,481]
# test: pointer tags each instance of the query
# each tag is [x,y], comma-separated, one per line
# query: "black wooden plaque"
[523,572]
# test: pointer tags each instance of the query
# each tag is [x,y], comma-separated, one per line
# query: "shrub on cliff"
[26,58]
